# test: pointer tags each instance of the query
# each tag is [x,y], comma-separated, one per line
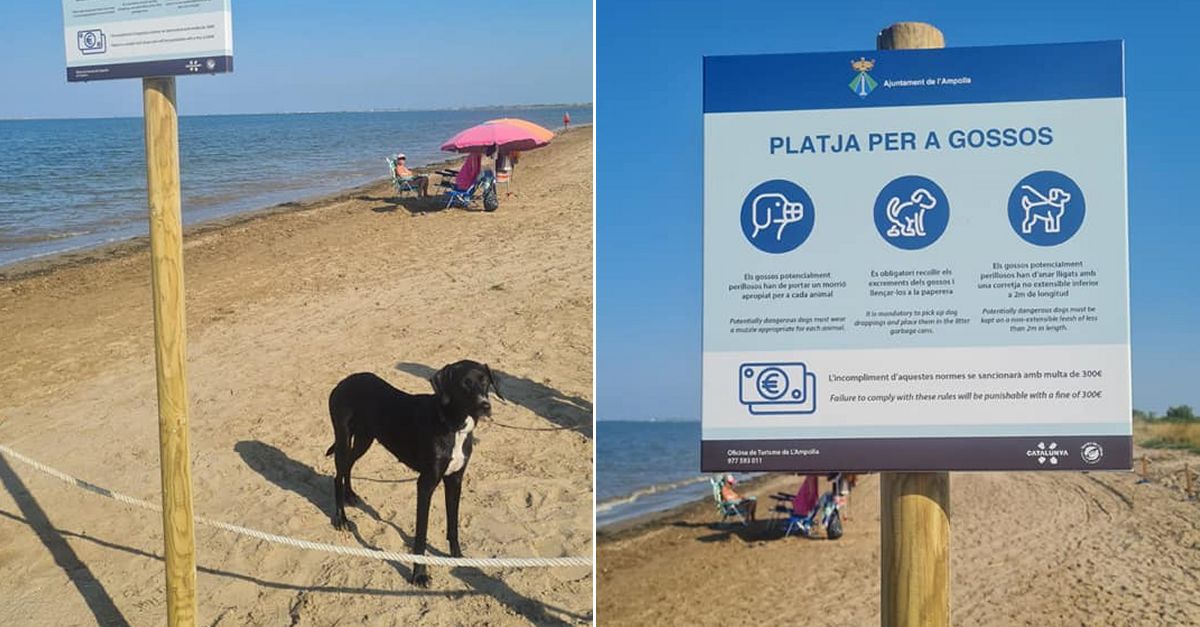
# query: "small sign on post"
[107,39]
[155,40]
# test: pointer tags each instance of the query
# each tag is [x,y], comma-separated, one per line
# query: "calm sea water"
[68,184]
[644,467]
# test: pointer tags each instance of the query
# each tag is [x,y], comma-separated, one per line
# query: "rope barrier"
[389,556]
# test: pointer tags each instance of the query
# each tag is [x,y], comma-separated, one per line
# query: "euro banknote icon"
[777,388]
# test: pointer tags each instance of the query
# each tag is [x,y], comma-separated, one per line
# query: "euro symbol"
[772,383]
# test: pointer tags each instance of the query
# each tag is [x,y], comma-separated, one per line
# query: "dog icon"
[771,204]
[908,218]
[1049,209]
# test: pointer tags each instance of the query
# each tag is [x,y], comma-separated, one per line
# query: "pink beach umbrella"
[536,130]
[502,134]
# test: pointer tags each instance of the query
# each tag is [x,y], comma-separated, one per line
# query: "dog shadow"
[275,466]
[566,412]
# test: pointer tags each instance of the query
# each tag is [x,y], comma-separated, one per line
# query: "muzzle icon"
[766,206]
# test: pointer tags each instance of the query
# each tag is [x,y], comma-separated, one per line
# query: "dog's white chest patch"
[457,458]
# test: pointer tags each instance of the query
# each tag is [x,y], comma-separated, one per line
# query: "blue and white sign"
[107,39]
[915,260]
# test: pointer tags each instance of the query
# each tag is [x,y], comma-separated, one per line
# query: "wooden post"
[170,343]
[1145,475]
[914,506]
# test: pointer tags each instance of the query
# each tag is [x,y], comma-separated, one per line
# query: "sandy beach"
[282,305]
[1027,549]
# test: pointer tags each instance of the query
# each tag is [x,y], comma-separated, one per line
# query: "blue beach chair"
[484,184]
[462,197]
[727,509]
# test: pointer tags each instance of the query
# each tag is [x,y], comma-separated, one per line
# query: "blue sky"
[310,55]
[648,170]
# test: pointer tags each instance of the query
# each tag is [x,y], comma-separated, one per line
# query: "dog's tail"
[893,208]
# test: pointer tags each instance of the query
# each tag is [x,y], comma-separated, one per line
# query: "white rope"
[433,560]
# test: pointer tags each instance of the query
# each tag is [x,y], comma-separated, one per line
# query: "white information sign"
[107,39]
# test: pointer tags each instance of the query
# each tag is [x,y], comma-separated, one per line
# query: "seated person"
[729,495]
[404,174]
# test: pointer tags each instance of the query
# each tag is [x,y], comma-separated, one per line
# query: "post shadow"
[289,474]
[93,593]
[564,411]
[480,582]
[266,583]
[538,612]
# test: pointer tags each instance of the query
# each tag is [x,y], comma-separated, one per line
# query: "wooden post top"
[908,36]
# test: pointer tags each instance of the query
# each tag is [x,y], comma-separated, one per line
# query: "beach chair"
[462,197]
[727,509]
[402,183]
[485,185]
[800,524]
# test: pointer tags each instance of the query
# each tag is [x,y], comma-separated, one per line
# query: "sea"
[647,466]
[73,184]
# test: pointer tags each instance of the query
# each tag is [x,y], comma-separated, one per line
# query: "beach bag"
[491,202]
[487,187]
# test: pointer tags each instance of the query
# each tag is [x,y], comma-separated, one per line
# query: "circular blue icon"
[911,212]
[1046,208]
[772,383]
[777,216]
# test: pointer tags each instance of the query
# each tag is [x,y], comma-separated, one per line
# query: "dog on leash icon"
[1046,208]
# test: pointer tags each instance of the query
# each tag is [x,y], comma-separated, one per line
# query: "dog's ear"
[492,382]
[440,386]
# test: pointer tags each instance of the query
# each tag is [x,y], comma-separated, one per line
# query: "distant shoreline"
[47,263]
[642,523]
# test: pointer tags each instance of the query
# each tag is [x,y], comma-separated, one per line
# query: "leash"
[501,424]
[388,556]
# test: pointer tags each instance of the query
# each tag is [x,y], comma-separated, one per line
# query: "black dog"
[430,433]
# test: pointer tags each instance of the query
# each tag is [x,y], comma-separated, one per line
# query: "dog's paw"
[420,577]
[340,522]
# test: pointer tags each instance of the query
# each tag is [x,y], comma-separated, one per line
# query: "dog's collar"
[449,421]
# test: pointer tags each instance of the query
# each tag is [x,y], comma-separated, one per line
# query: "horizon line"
[315,112]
